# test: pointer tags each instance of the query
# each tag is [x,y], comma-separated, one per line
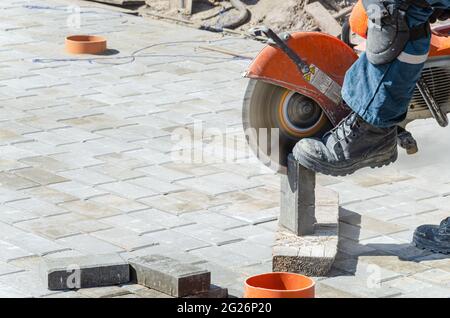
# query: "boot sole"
[429,246]
[342,171]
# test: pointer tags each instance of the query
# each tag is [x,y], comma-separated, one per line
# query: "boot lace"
[345,128]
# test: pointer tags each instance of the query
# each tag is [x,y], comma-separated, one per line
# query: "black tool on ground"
[433,106]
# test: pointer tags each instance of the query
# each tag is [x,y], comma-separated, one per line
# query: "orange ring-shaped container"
[85,44]
[279,285]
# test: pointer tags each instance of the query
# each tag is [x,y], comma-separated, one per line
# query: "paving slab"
[170,276]
[85,272]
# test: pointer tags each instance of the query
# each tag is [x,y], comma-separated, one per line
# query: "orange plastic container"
[279,285]
[85,44]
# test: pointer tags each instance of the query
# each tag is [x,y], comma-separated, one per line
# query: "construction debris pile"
[241,15]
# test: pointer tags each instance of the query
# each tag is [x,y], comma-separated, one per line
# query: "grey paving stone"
[218,183]
[7,291]
[157,185]
[37,207]
[350,193]
[251,216]
[66,294]
[151,293]
[361,287]
[50,195]
[88,244]
[45,162]
[179,240]
[164,172]
[6,269]
[215,220]
[85,272]
[375,273]
[128,190]
[103,292]
[78,190]
[128,240]
[169,276]
[26,283]
[87,176]
[428,292]
[434,276]
[182,202]
[40,176]
[255,234]
[208,235]
[9,251]
[220,255]
[129,222]
[90,209]
[325,291]
[215,292]
[167,220]
[394,264]
[253,250]
[35,244]
[123,204]
[10,216]
[15,182]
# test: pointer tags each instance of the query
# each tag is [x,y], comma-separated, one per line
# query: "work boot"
[434,238]
[352,145]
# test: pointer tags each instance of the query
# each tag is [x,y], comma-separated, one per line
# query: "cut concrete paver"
[89,164]
[85,272]
[170,276]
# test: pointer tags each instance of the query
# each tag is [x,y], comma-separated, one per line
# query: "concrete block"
[297,206]
[169,276]
[311,255]
[214,292]
[85,272]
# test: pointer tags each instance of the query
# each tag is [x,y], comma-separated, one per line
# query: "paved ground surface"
[87,164]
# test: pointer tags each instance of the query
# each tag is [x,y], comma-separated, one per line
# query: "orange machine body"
[328,53]
[440,40]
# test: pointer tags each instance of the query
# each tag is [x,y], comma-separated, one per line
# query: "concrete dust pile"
[287,15]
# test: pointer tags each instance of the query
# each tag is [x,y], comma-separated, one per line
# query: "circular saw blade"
[261,125]
[265,114]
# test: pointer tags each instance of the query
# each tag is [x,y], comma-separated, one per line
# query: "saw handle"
[301,65]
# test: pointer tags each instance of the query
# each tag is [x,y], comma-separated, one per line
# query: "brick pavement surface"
[88,164]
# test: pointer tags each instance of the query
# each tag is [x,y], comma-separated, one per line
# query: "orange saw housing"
[328,53]
[440,40]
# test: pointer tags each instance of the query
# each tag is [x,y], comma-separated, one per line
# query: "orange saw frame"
[328,53]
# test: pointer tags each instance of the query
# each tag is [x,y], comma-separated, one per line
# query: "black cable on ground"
[128,59]
[244,16]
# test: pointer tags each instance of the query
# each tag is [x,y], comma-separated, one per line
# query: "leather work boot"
[434,238]
[352,145]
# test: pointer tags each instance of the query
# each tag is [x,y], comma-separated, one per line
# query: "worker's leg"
[379,95]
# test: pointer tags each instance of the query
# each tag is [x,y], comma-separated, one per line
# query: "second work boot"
[434,238]
[352,145]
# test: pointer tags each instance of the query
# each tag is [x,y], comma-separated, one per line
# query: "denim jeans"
[381,94]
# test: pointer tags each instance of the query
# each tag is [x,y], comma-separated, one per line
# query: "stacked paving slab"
[307,240]
[156,272]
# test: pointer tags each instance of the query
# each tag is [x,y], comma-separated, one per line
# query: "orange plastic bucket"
[279,285]
[85,44]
